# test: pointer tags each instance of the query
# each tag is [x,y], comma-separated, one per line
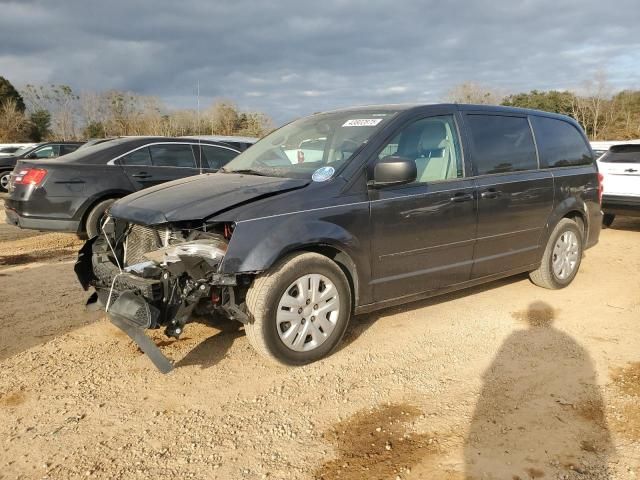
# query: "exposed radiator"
[142,240]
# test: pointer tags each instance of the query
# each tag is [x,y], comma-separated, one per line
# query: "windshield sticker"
[362,122]
[323,174]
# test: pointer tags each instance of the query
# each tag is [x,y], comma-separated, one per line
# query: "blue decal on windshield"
[323,174]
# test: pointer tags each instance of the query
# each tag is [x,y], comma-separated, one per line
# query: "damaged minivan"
[345,212]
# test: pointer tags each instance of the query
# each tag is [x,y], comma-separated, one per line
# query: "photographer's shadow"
[540,412]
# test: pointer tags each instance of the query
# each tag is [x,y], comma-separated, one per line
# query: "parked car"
[7,149]
[404,203]
[241,143]
[41,151]
[71,194]
[620,167]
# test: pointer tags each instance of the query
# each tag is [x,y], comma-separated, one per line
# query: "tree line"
[56,112]
[603,113]
[37,112]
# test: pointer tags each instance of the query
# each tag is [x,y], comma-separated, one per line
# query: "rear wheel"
[562,257]
[96,216]
[607,219]
[299,310]
[4,181]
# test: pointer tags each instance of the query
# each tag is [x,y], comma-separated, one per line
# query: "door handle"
[141,175]
[491,193]
[462,197]
[631,170]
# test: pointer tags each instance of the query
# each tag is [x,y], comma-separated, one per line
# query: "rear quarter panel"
[68,190]
[576,190]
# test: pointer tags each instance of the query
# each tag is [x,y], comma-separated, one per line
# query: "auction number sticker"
[362,122]
[323,174]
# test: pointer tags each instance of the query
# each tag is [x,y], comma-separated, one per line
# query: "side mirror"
[32,155]
[392,170]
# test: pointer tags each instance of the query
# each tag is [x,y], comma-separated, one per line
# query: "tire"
[607,219]
[4,180]
[565,242]
[92,223]
[268,301]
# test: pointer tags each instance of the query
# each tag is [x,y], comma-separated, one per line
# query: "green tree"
[94,130]
[40,125]
[550,101]
[8,92]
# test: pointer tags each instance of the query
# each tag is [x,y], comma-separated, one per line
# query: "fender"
[247,254]
[561,210]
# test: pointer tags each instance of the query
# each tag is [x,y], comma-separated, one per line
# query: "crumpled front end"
[148,277]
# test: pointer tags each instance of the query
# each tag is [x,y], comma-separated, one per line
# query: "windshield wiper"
[247,171]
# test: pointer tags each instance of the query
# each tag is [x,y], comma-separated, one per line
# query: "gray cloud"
[290,58]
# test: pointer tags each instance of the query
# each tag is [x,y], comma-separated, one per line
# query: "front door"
[515,198]
[424,232]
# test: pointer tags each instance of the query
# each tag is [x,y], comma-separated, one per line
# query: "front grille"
[141,240]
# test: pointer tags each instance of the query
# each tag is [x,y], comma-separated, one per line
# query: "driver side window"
[433,144]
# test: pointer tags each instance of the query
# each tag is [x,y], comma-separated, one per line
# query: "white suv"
[620,167]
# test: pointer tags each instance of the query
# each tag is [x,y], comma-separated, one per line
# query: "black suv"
[38,152]
[72,193]
[347,212]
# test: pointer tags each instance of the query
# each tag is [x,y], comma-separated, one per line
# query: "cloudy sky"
[290,58]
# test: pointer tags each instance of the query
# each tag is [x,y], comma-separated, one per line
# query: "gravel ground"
[504,381]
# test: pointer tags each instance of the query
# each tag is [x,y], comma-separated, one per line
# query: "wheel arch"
[95,200]
[573,209]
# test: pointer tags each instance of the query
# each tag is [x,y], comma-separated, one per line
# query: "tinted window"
[50,151]
[64,149]
[501,144]
[560,144]
[433,144]
[139,157]
[169,155]
[622,154]
[215,157]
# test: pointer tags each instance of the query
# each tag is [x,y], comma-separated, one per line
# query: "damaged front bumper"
[149,278]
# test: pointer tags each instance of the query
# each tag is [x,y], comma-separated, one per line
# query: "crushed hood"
[198,197]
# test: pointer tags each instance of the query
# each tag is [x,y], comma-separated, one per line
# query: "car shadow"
[630,224]
[215,348]
[40,303]
[361,323]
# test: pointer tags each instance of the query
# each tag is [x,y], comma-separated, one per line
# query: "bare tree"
[14,125]
[470,92]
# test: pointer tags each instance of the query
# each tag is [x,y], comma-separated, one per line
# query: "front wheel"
[562,257]
[299,310]
[4,181]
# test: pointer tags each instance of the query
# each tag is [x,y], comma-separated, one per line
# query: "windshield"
[300,148]
[23,150]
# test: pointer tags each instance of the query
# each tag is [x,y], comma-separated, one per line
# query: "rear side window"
[172,155]
[622,154]
[215,157]
[64,149]
[560,144]
[139,157]
[501,144]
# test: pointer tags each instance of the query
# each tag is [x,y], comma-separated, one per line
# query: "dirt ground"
[505,381]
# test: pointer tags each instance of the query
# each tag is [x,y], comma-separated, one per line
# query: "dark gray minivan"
[347,212]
